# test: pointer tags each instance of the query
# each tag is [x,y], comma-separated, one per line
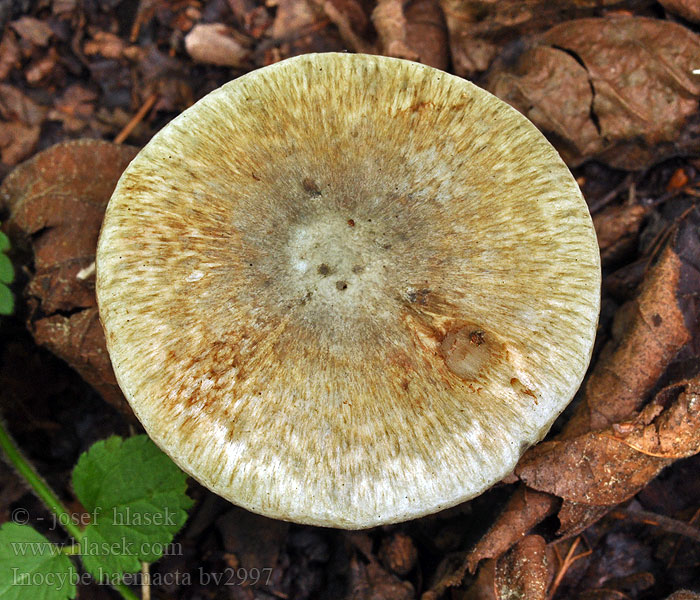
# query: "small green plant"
[7,275]
[134,500]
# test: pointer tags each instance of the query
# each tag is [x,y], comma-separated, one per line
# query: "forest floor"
[607,508]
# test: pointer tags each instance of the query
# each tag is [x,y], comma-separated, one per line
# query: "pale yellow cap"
[348,290]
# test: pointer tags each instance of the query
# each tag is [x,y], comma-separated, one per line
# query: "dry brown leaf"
[390,22]
[641,89]
[41,68]
[575,517]
[426,32]
[616,228]
[484,587]
[17,106]
[56,202]
[623,377]
[371,582]
[10,57]
[608,467]
[17,141]
[688,9]
[591,469]
[33,30]
[524,571]
[20,124]
[301,26]
[671,433]
[105,43]
[79,340]
[216,44]
[74,107]
[292,16]
[398,553]
[254,540]
[524,510]
[354,13]
[480,29]
[342,19]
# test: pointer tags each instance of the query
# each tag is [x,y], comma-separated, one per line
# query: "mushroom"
[348,290]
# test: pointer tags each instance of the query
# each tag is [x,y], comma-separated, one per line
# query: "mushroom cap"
[348,290]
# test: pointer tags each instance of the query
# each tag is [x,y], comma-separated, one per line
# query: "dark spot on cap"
[351,222]
[477,337]
[341,285]
[310,186]
[323,269]
[419,296]
[358,269]
[657,320]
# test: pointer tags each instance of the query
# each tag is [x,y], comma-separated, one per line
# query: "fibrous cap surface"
[348,290]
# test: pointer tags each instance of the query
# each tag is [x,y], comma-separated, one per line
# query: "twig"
[658,243]
[612,194]
[143,13]
[662,521]
[136,119]
[565,565]
[678,543]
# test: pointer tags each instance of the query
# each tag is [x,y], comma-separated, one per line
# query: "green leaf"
[136,495]
[32,567]
[4,242]
[7,273]
[7,302]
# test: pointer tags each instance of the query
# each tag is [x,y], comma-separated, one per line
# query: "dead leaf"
[619,89]
[10,57]
[17,106]
[616,228]
[41,68]
[33,30]
[74,107]
[575,517]
[524,510]
[79,340]
[17,141]
[688,9]
[608,467]
[591,469]
[292,16]
[343,21]
[672,433]
[216,44]
[254,540]
[479,30]
[623,377]
[484,587]
[398,553]
[390,22]
[56,202]
[354,14]
[525,571]
[106,44]
[426,32]
[371,582]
